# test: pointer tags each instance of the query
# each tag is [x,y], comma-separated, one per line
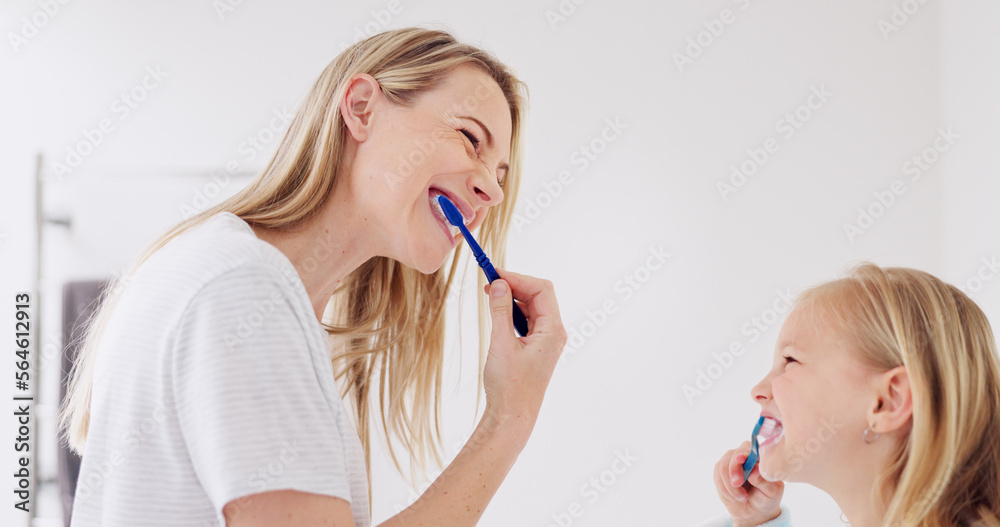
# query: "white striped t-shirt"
[213,381]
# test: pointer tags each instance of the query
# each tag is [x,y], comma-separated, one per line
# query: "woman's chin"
[427,265]
[425,259]
[424,267]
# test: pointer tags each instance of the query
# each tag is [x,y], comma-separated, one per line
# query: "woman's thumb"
[501,308]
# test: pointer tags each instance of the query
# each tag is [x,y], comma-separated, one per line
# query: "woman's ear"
[894,403]
[360,97]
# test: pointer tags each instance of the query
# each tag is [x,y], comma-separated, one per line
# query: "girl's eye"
[472,139]
[789,359]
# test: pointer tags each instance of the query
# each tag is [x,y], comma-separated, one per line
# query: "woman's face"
[454,140]
[821,394]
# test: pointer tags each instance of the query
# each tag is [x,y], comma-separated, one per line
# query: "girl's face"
[454,140]
[820,394]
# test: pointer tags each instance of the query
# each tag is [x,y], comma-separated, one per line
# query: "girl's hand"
[756,502]
[518,369]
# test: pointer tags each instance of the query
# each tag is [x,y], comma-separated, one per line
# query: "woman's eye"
[472,139]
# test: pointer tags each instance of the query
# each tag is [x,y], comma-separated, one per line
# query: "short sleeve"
[249,398]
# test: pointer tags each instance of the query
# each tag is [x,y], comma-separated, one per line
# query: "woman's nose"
[486,188]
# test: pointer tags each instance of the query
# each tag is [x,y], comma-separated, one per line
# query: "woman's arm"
[456,498]
[516,376]
[460,494]
[288,507]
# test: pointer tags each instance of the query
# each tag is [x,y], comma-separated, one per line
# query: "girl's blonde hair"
[388,318]
[947,470]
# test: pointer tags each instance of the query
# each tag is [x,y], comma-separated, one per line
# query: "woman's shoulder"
[221,245]
[222,252]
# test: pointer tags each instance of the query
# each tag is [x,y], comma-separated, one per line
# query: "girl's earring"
[865,436]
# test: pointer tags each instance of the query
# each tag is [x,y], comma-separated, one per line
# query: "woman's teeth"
[436,207]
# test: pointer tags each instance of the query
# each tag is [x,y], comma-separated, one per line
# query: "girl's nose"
[762,391]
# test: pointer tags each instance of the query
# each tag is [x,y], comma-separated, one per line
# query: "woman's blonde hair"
[947,470]
[388,318]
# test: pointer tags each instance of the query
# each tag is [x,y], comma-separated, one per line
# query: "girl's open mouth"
[771,432]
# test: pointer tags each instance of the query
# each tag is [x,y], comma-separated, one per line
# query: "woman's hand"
[758,501]
[518,369]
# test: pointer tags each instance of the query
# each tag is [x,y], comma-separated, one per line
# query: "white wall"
[654,187]
[971,242]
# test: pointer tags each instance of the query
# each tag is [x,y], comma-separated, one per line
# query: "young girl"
[885,389]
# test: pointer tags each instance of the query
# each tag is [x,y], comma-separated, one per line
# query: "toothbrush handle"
[754,454]
[749,464]
[520,322]
[487,265]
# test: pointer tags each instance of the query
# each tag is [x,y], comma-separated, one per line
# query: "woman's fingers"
[501,310]
[537,298]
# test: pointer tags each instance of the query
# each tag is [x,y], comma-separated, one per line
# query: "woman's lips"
[450,230]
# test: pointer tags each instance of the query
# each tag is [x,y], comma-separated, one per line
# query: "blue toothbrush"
[454,217]
[754,451]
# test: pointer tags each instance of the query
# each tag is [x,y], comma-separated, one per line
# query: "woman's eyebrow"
[489,138]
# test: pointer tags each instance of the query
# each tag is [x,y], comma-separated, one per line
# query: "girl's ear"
[893,406]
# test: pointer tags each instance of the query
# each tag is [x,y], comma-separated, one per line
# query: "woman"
[206,395]
[886,387]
